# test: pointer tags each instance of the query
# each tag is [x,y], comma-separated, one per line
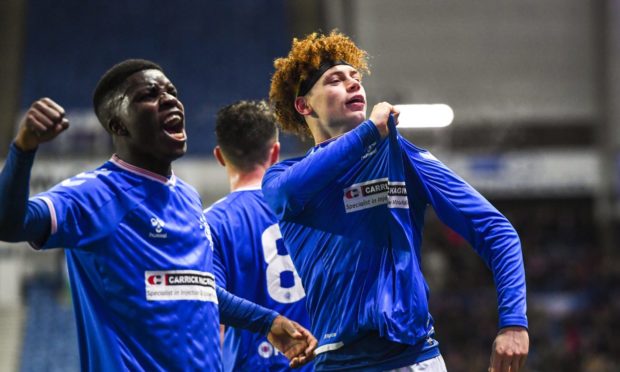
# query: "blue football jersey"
[352,212]
[140,264]
[251,261]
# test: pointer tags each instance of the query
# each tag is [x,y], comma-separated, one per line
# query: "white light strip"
[425,115]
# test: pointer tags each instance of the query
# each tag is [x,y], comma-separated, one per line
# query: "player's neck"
[163,168]
[239,179]
[322,132]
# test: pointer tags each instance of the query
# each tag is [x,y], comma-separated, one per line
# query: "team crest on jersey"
[373,193]
[266,350]
[158,228]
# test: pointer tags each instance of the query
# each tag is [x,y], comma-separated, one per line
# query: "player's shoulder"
[285,163]
[217,207]
[103,185]
[235,202]
[292,160]
[222,211]
[415,152]
[186,187]
[90,190]
[223,216]
[88,182]
[237,206]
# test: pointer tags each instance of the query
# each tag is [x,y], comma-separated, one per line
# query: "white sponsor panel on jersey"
[373,193]
[180,285]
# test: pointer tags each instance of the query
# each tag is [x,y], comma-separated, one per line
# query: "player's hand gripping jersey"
[352,212]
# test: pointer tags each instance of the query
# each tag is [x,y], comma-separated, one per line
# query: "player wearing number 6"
[249,257]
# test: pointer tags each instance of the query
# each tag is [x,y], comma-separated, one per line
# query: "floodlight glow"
[425,115]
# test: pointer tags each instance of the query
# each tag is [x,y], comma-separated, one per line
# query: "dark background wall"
[215,52]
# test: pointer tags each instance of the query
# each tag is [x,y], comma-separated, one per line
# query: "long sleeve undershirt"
[20,220]
[238,312]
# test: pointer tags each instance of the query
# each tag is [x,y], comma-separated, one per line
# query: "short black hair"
[245,131]
[112,80]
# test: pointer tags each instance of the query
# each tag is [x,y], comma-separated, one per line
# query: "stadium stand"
[50,335]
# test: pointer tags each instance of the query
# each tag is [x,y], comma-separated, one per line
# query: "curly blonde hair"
[305,57]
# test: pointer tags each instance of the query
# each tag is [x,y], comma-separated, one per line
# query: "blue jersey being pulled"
[250,261]
[351,213]
[143,288]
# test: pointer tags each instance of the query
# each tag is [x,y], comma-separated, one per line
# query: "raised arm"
[289,185]
[21,220]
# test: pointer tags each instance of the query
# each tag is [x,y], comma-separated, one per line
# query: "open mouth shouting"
[174,126]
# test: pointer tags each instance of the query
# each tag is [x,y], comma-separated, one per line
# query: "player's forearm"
[14,189]
[287,190]
[240,313]
[509,276]
[20,219]
[496,241]
[506,263]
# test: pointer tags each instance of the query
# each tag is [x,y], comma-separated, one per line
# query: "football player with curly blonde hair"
[351,212]
[307,61]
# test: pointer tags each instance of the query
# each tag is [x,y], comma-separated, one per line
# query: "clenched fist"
[44,120]
[380,115]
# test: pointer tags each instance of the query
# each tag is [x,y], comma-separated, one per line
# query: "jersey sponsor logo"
[180,285]
[397,195]
[158,226]
[155,279]
[374,193]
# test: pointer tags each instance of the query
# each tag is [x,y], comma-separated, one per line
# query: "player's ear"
[274,153]
[302,106]
[117,128]
[217,152]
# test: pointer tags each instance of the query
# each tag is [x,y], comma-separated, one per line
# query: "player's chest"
[172,226]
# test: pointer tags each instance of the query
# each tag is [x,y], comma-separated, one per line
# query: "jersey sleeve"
[468,213]
[240,313]
[288,186]
[20,219]
[84,209]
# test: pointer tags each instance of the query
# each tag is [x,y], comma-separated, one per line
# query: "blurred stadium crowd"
[573,291]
